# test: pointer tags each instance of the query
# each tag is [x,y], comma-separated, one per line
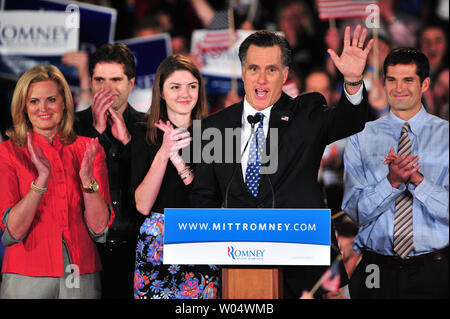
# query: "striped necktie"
[403,220]
[252,174]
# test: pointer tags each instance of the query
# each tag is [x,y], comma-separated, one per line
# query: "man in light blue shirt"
[376,176]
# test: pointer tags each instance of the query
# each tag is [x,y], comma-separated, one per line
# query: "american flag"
[215,42]
[331,278]
[291,89]
[332,9]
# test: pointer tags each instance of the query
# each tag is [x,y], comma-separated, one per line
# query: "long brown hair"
[22,125]
[158,108]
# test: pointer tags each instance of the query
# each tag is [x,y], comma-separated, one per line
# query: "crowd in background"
[422,24]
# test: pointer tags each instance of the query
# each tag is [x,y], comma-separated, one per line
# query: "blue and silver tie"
[252,174]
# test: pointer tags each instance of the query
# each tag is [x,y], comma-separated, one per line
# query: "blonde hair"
[22,125]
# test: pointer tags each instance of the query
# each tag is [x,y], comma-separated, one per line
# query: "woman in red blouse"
[54,198]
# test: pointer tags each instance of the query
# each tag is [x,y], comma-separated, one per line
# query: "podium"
[251,244]
[252,283]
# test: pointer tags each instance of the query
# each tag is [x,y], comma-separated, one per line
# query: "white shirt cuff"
[356,98]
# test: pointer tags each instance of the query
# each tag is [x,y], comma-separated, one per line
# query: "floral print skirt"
[155,280]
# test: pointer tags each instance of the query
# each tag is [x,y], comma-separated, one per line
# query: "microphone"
[252,120]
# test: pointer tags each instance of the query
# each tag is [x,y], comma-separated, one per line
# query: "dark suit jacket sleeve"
[84,127]
[345,119]
[83,124]
[310,127]
[142,155]
[205,188]
[205,192]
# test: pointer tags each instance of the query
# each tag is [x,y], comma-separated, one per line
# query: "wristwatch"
[92,187]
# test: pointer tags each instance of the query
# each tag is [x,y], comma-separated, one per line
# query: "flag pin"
[285,118]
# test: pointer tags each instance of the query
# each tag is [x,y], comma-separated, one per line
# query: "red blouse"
[60,214]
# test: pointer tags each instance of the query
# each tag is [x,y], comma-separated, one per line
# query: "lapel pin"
[285,118]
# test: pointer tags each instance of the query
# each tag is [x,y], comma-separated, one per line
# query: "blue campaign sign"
[215,84]
[307,226]
[247,236]
[149,52]
[97,26]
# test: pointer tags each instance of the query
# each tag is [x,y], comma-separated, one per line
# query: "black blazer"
[118,159]
[305,126]
[302,138]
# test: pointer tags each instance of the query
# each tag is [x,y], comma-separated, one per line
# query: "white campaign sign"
[40,33]
[219,51]
[247,253]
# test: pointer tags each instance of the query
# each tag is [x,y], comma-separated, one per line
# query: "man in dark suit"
[305,125]
[110,118]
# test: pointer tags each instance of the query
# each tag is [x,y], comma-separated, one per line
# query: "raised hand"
[118,127]
[353,58]
[80,60]
[77,59]
[101,103]
[39,160]
[174,139]
[87,164]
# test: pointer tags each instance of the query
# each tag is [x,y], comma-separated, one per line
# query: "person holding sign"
[305,125]
[55,198]
[162,179]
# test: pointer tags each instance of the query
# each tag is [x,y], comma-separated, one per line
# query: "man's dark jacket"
[305,126]
[127,219]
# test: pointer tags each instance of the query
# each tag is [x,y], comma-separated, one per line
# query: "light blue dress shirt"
[369,198]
